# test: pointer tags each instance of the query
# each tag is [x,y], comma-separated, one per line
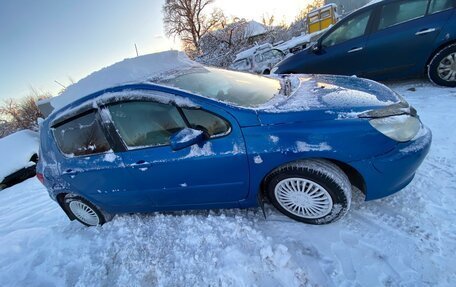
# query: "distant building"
[347,6]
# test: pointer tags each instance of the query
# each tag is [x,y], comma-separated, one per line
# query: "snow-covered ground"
[408,239]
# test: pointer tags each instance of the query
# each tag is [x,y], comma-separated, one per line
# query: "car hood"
[316,97]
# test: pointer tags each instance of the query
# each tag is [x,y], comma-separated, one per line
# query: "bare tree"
[267,20]
[188,20]
[302,15]
[21,114]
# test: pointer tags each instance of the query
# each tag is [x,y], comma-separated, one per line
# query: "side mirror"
[316,47]
[185,138]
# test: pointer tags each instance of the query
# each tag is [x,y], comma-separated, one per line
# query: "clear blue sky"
[46,40]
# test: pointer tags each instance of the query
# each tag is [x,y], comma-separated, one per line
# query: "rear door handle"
[354,50]
[425,31]
[140,164]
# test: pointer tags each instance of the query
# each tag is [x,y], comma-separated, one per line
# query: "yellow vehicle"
[321,18]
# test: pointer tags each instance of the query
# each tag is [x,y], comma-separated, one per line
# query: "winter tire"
[312,191]
[84,211]
[442,68]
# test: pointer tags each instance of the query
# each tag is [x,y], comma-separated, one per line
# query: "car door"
[342,51]
[89,167]
[404,37]
[213,173]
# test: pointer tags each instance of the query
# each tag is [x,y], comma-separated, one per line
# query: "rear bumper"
[391,172]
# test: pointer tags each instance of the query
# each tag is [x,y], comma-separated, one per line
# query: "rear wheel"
[312,191]
[442,68]
[84,211]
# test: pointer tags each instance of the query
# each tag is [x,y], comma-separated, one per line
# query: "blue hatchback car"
[203,138]
[388,40]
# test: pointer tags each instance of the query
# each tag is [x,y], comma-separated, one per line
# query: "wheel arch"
[355,177]
[60,200]
[435,52]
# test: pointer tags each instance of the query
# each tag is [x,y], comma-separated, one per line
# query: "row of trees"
[213,38]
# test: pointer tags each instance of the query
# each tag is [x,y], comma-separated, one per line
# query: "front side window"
[277,53]
[81,136]
[207,122]
[401,11]
[440,5]
[146,124]
[351,29]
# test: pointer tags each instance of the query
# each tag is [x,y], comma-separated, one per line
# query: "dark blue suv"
[391,39]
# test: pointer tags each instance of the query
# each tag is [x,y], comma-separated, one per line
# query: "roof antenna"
[136,48]
[57,82]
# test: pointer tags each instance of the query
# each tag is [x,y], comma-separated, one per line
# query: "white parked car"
[259,59]
[18,155]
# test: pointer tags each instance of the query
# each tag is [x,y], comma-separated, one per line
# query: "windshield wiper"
[286,86]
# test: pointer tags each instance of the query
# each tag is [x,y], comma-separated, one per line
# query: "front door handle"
[425,31]
[354,50]
[70,172]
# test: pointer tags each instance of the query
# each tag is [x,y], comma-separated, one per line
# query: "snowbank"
[16,151]
[135,70]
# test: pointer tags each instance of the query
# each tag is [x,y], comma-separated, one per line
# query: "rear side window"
[440,5]
[351,29]
[205,121]
[146,124]
[81,136]
[401,11]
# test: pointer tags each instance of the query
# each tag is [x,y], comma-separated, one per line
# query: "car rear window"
[81,136]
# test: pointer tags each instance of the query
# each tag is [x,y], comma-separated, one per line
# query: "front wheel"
[311,191]
[442,68]
[84,211]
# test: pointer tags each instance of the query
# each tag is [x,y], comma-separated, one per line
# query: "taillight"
[40,177]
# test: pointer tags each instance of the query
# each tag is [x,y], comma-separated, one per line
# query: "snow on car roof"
[251,51]
[16,151]
[293,42]
[254,29]
[134,70]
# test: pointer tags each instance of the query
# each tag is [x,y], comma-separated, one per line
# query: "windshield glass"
[241,89]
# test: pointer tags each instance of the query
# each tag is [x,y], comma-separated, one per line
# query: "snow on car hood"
[330,94]
[135,70]
[16,151]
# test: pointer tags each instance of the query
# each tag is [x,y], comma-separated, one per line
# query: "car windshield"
[240,89]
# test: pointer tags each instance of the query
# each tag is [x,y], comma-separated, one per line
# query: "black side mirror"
[185,138]
[316,47]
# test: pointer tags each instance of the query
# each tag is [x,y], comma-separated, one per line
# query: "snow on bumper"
[391,172]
